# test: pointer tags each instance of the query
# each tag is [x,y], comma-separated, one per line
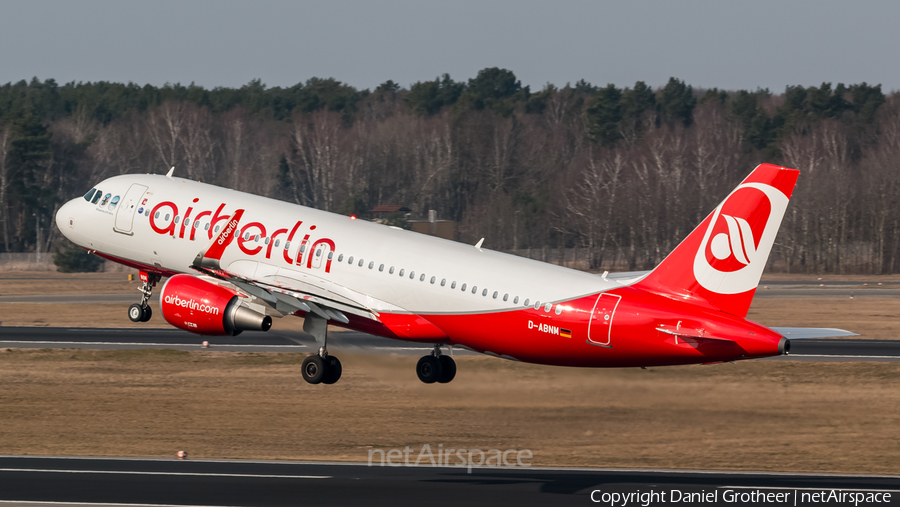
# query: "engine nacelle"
[201,307]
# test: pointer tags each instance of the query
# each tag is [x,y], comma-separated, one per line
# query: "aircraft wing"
[289,296]
[797,333]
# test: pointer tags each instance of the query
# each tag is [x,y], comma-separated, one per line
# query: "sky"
[725,44]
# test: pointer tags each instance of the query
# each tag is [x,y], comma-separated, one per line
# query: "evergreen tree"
[676,103]
[638,107]
[604,115]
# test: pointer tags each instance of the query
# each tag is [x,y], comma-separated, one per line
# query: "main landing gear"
[320,367]
[436,367]
[141,312]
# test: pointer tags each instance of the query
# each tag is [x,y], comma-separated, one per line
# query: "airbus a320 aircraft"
[235,260]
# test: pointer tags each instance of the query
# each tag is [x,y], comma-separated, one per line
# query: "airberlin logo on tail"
[737,241]
[739,238]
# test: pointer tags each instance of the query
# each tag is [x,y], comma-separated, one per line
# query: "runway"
[248,341]
[289,341]
[239,483]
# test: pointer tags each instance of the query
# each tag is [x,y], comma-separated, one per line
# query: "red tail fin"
[721,261]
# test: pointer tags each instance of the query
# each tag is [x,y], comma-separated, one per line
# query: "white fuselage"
[434,271]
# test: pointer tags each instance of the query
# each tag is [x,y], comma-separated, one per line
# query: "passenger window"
[433,279]
[350,260]
[97,198]
[505,297]
[484,292]
[167,217]
[381,267]
[547,307]
[516,300]
[318,253]
[443,282]
[330,255]
[246,234]
[495,296]
[474,289]
[558,309]
[277,242]
[537,305]
[361,262]
[526,302]
[412,274]
[401,272]
[206,228]
[371,264]
[422,278]
[217,227]
[302,248]
[147,213]
[287,244]
[266,242]
[341,258]
[196,225]
[177,218]
[453,285]
[391,271]
[187,222]
[463,288]
[156,215]
[256,238]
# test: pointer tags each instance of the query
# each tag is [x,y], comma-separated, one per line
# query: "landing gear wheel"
[428,369]
[448,369]
[332,370]
[313,369]
[136,312]
[147,314]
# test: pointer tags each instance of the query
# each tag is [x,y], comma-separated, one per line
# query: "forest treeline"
[620,173]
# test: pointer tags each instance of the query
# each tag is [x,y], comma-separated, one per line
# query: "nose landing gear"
[141,312]
[436,367]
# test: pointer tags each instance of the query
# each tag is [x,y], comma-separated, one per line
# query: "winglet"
[169,174]
[210,257]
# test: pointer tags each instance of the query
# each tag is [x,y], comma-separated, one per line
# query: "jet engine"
[202,307]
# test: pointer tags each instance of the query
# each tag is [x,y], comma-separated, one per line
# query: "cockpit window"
[97,197]
[114,202]
[89,195]
[105,199]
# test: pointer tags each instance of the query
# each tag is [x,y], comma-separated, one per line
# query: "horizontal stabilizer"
[687,332]
[797,333]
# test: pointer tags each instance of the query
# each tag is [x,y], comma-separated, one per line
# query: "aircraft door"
[128,207]
[600,327]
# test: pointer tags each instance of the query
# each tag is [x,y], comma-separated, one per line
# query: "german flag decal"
[565,333]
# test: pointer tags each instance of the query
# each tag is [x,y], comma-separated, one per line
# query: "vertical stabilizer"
[722,260]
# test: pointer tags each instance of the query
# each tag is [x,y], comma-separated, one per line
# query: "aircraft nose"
[66,218]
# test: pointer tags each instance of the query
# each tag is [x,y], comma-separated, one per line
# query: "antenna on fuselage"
[169,174]
[478,245]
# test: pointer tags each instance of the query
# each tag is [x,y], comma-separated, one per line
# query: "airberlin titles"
[160,223]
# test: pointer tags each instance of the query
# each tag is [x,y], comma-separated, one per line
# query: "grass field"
[757,415]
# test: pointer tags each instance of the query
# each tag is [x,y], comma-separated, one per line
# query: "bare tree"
[6,136]
[165,127]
